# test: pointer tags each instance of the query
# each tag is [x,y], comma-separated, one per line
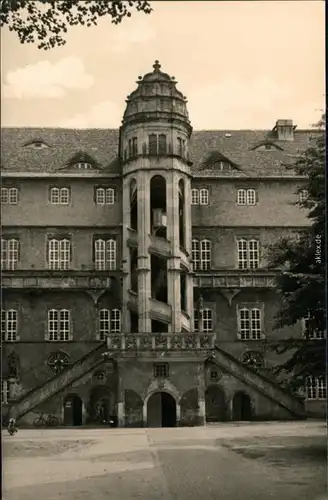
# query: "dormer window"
[266,146]
[224,166]
[37,144]
[82,165]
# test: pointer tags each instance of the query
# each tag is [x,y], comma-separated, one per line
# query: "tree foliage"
[301,260]
[47,21]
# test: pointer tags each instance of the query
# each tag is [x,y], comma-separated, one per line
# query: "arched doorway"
[241,407]
[73,410]
[161,410]
[215,403]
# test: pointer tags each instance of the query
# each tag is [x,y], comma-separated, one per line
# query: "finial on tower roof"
[156,66]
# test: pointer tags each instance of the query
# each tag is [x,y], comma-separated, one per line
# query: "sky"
[241,64]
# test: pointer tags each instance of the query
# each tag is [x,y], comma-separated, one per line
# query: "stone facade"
[135,188]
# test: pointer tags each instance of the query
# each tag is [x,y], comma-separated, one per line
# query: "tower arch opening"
[158,206]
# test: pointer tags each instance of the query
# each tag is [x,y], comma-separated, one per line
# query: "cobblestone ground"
[152,464]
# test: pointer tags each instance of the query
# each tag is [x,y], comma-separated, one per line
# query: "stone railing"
[46,279]
[160,341]
[228,279]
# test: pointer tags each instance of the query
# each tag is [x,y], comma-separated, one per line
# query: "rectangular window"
[105,255]
[162,146]
[9,325]
[250,324]
[9,196]
[316,388]
[205,255]
[59,325]
[195,254]
[152,141]
[105,196]
[195,196]
[161,370]
[203,197]
[109,322]
[9,254]
[248,254]
[241,197]
[59,196]
[203,320]
[134,146]
[251,197]
[246,197]
[59,254]
[5,391]
[207,320]
[180,147]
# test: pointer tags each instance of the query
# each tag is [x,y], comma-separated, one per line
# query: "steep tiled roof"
[102,146]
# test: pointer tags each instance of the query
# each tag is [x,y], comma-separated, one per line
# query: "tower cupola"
[156,98]
[155,121]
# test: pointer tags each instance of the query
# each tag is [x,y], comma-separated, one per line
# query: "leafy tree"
[302,281]
[47,21]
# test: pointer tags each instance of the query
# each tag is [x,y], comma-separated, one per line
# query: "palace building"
[135,282]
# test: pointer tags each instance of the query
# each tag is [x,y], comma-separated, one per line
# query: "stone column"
[144,277]
[188,238]
[201,395]
[173,265]
[126,285]
[144,414]
[120,397]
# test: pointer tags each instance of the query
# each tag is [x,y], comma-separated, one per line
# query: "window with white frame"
[249,324]
[195,196]
[105,196]
[59,196]
[9,325]
[303,195]
[5,391]
[207,320]
[205,317]
[241,197]
[316,388]
[59,254]
[205,255]
[248,254]
[201,255]
[195,254]
[9,196]
[83,165]
[251,197]
[105,254]
[246,197]
[9,254]
[59,325]
[309,332]
[109,322]
[203,196]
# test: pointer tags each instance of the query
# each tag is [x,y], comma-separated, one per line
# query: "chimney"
[284,130]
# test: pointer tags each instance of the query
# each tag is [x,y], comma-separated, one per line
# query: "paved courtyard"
[172,464]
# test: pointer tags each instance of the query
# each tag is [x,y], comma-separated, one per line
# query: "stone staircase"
[39,394]
[259,382]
